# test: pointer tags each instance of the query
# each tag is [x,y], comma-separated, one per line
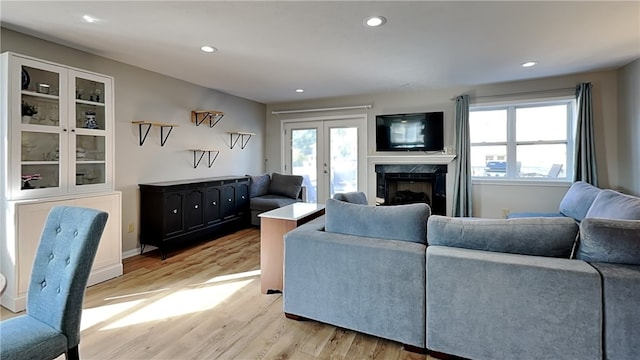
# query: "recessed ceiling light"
[375,21]
[299,90]
[89,18]
[529,63]
[208,49]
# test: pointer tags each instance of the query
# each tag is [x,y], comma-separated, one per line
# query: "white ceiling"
[268,49]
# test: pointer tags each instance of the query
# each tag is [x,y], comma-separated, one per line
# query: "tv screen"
[410,132]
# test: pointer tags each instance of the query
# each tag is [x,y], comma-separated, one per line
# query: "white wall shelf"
[239,135]
[200,116]
[210,152]
[149,124]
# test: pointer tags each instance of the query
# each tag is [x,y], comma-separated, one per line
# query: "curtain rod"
[520,93]
[368,106]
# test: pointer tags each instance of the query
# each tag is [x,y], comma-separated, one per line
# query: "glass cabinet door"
[39,128]
[89,137]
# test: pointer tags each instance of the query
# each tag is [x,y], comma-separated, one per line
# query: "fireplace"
[409,183]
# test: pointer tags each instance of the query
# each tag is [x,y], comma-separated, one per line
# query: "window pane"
[543,161]
[304,145]
[541,123]
[488,126]
[488,160]
[344,159]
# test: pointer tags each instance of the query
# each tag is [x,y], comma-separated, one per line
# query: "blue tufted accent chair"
[51,325]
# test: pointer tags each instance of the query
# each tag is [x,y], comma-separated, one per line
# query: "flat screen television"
[410,132]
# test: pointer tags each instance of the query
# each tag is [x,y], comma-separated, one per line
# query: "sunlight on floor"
[93,316]
[200,297]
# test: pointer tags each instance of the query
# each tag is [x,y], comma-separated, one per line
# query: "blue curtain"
[585,155]
[462,204]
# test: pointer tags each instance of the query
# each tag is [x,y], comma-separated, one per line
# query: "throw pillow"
[611,204]
[356,197]
[609,240]
[545,236]
[578,200]
[399,222]
[259,185]
[285,185]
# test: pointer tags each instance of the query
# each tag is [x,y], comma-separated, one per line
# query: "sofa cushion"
[611,204]
[610,241]
[399,222]
[259,185]
[356,197]
[270,202]
[285,185]
[552,237]
[577,201]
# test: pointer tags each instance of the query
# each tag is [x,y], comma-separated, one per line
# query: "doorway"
[329,153]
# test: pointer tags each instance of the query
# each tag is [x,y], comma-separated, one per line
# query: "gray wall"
[489,198]
[145,95]
[629,127]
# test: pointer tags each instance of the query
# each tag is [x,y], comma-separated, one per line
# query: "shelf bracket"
[199,116]
[240,136]
[163,139]
[148,124]
[197,160]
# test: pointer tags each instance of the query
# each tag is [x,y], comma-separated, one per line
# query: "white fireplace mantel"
[432,159]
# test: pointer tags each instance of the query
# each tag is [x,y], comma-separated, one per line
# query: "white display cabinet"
[57,147]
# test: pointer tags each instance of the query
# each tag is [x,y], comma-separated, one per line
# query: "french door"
[329,154]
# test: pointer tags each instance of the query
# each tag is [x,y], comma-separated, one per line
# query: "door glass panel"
[344,159]
[40,101]
[90,173]
[90,148]
[90,110]
[90,156]
[304,159]
[40,160]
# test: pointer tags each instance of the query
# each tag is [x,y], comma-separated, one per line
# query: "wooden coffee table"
[273,225]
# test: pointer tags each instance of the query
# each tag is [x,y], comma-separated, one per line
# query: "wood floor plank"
[204,302]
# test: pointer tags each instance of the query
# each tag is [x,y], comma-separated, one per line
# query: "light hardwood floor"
[204,302]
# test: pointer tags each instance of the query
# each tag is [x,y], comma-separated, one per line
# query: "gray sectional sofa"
[268,192]
[519,288]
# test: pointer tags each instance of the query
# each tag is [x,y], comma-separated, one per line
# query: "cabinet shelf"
[199,116]
[40,95]
[239,135]
[87,102]
[149,124]
[197,160]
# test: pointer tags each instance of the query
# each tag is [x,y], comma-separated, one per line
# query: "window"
[528,141]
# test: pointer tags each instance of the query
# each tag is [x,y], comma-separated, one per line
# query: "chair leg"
[73,354]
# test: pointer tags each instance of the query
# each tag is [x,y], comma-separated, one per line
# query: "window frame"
[511,143]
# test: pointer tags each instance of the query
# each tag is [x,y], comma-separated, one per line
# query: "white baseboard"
[136,251]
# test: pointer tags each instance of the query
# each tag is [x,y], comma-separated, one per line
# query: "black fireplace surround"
[433,175]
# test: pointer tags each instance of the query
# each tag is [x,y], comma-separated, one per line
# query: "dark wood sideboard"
[174,212]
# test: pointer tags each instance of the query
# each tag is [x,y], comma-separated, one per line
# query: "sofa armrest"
[365,284]
[303,193]
[509,306]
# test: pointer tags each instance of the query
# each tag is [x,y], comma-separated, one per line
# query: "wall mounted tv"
[410,132]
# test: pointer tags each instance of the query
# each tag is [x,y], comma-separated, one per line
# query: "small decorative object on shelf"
[199,116]
[26,79]
[28,111]
[29,177]
[90,120]
[43,88]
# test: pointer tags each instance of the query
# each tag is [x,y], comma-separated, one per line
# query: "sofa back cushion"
[578,200]
[399,222]
[285,185]
[355,197]
[552,237]
[610,241]
[259,185]
[611,204]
